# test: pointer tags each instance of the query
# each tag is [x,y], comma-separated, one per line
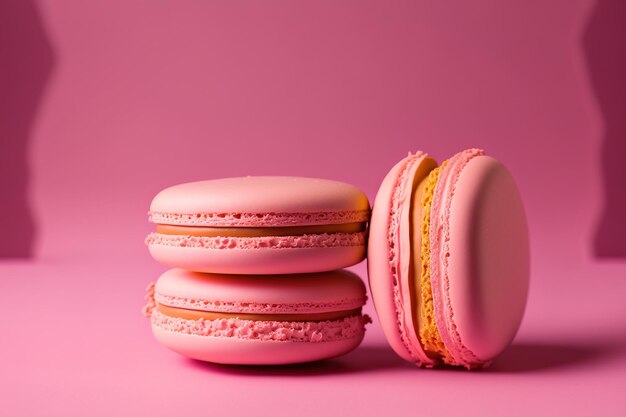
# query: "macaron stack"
[448,265]
[256,273]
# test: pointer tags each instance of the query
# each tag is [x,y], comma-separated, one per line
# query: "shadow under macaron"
[361,360]
[519,358]
[526,357]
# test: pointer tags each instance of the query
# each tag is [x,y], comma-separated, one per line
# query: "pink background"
[103,103]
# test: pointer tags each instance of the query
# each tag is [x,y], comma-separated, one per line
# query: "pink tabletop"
[75,343]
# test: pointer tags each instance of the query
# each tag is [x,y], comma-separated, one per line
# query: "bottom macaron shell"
[258,261]
[236,351]
[485,278]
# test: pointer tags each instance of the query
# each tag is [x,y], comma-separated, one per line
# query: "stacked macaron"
[255,276]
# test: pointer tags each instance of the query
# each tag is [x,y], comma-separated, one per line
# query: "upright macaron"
[247,319]
[259,225]
[448,259]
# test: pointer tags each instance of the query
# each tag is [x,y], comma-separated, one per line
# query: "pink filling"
[284,331]
[323,240]
[256,219]
[440,244]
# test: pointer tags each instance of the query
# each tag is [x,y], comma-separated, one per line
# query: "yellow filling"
[429,335]
[188,314]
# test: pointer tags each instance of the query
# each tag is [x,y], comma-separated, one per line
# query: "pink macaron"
[259,225]
[448,259]
[262,319]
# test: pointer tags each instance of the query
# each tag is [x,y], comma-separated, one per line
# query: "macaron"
[259,320]
[448,259]
[259,225]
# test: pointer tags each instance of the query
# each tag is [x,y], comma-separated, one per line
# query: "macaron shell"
[378,256]
[485,282]
[322,292]
[389,258]
[227,350]
[258,261]
[261,195]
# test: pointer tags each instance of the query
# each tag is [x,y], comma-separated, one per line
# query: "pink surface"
[139,96]
[84,357]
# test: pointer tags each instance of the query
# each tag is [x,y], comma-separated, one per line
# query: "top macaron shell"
[230,200]
[479,257]
[260,294]
[260,202]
